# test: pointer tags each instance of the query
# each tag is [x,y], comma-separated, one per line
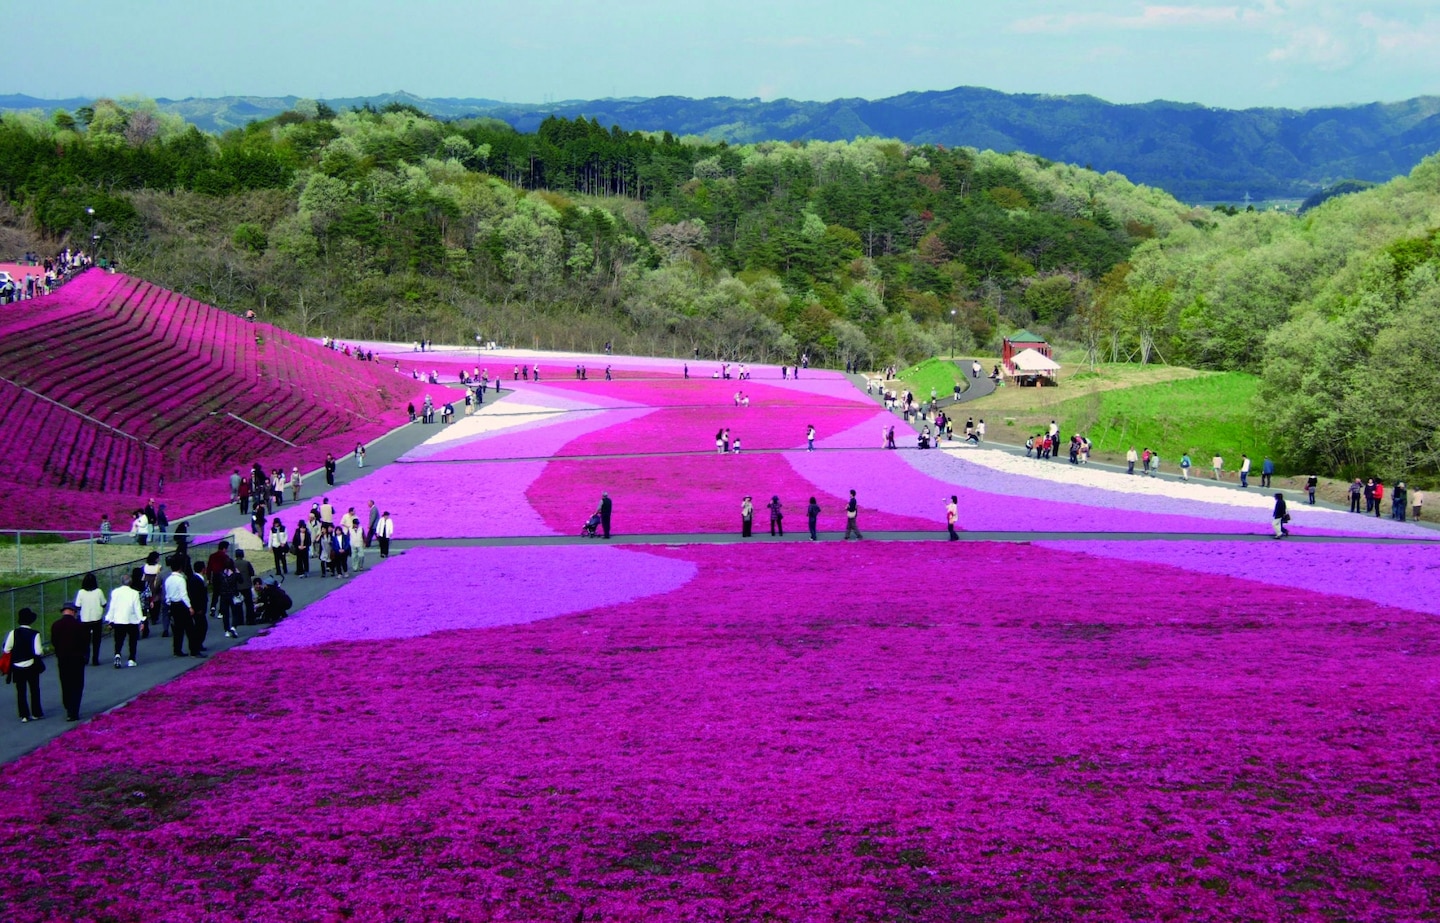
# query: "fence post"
[91,540]
[19,562]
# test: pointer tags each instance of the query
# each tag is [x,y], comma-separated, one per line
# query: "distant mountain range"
[1197,153]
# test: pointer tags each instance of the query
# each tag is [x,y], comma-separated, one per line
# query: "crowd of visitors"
[50,274]
[225,587]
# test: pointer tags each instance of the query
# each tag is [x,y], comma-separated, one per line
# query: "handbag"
[5,664]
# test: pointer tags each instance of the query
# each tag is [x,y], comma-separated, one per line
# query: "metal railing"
[59,565]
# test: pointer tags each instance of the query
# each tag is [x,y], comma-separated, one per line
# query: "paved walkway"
[975,387]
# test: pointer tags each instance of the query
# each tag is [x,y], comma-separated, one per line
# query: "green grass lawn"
[1202,416]
[940,374]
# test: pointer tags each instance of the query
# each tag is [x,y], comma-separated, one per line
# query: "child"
[105,523]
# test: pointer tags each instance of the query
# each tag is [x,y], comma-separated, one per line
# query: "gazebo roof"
[1025,336]
[1028,360]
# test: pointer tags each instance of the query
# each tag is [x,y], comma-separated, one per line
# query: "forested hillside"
[1197,153]
[391,224]
[1338,310]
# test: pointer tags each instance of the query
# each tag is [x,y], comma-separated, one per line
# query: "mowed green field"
[1213,414]
[940,374]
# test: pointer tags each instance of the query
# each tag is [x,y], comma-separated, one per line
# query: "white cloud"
[1147,17]
[1314,45]
[1397,38]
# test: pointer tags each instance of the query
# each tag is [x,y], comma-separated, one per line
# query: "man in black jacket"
[605,508]
[69,639]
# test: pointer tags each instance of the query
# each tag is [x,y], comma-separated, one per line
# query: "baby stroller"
[591,524]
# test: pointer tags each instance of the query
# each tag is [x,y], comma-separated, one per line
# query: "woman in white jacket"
[280,547]
[126,614]
[90,600]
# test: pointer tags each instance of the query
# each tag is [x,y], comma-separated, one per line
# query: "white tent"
[1030,360]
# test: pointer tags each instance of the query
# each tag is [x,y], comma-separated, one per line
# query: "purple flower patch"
[440,589]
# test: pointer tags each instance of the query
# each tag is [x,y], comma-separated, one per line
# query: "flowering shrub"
[797,732]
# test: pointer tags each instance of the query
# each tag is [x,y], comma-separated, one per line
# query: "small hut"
[1027,357]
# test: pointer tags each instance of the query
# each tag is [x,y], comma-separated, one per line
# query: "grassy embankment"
[1172,410]
[940,374]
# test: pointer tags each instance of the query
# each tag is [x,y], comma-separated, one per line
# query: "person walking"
[295,484]
[1185,467]
[810,438]
[1369,496]
[1311,483]
[1417,501]
[747,517]
[386,530]
[359,455]
[357,544]
[199,626]
[71,643]
[777,518]
[182,613]
[812,513]
[90,603]
[952,516]
[1131,457]
[1280,516]
[245,575]
[125,615]
[606,508]
[1244,470]
[852,518]
[1356,490]
[300,541]
[330,469]
[1398,506]
[1379,496]
[1267,470]
[26,665]
[372,519]
[1217,464]
[280,549]
[244,497]
[325,550]
[216,567]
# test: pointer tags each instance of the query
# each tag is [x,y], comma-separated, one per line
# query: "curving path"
[974,387]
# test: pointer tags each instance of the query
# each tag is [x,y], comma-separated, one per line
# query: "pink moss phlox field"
[426,590]
[1404,576]
[894,485]
[429,500]
[541,438]
[699,494]
[1037,500]
[797,733]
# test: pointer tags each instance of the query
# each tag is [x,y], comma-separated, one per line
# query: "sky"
[1290,53]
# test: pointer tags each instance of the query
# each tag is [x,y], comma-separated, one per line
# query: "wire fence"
[59,561]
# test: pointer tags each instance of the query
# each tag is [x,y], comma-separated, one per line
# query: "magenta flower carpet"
[786,734]
[117,391]
[720,729]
